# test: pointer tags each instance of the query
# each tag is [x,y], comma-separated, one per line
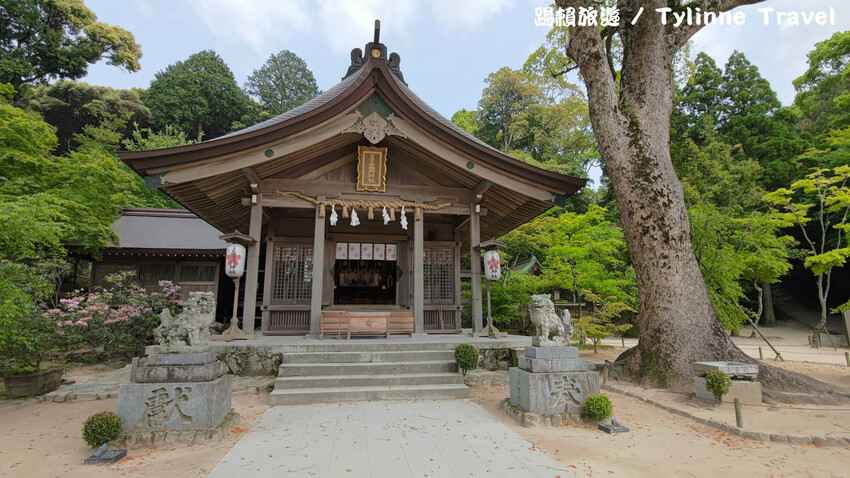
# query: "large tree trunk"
[760,309]
[769,312]
[677,320]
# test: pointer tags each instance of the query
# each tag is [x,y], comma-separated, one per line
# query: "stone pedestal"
[175,393]
[743,375]
[551,381]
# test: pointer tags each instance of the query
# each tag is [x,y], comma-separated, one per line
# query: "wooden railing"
[442,319]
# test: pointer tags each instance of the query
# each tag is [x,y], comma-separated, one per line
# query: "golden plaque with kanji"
[371,169]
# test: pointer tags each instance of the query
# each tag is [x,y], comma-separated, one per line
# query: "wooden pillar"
[318,272]
[267,285]
[475,267]
[418,275]
[252,266]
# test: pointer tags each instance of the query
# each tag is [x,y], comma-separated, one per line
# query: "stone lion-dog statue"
[547,323]
[191,327]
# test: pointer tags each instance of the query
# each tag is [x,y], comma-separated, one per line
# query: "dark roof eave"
[141,161]
[566,185]
[414,108]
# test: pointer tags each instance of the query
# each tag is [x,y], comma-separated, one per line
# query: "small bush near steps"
[597,407]
[466,357]
[101,428]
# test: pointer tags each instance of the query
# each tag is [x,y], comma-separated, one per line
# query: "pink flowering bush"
[121,316]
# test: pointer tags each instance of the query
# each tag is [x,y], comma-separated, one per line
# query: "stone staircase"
[354,375]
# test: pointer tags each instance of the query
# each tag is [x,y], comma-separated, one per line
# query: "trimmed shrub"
[598,407]
[101,428]
[718,383]
[466,357]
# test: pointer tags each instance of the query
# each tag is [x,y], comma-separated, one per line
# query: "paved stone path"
[394,439]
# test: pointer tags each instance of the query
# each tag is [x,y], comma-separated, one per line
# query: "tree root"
[778,385]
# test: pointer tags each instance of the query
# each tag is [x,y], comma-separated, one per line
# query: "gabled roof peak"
[375,49]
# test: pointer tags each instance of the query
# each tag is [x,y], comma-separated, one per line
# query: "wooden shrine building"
[311,187]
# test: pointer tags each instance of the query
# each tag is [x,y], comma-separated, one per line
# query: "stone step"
[367,356]
[413,356]
[334,381]
[353,394]
[366,368]
[326,357]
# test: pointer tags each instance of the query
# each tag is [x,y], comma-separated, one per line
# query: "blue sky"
[447,47]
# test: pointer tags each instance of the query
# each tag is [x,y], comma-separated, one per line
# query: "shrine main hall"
[362,199]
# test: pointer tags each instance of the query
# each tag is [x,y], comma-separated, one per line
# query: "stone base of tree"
[743,375]
[746,391]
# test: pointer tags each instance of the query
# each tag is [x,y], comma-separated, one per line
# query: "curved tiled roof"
[312,104]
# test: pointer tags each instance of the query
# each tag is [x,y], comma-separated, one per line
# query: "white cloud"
[351,23]
[145,8]
[256,23]
[466,14]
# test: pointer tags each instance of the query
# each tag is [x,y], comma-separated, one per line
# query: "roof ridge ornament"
[375,49]
[374,127]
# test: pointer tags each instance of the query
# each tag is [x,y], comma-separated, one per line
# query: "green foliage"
[27,336]
[699,103]
[270,386]
[466,357]
[101,428]
[282,83]
[597,407]
[142,139]
[712,174]
[718,383]
[820,205]
[632,332]
[730,142]
[198,96]
[737,115]
[823,91]
[600,324]
[732,250]
[45,200]
[577,251]
[542,123]
[506,297]
[70,107]
[750,93]
[466,120]
[508,95]
[49,39]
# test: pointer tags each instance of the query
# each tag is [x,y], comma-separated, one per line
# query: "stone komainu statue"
[546,322]
[191,326]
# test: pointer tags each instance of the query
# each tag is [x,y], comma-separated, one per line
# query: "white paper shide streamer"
[334,216]
[385,216]
[355,221]
[403,219]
